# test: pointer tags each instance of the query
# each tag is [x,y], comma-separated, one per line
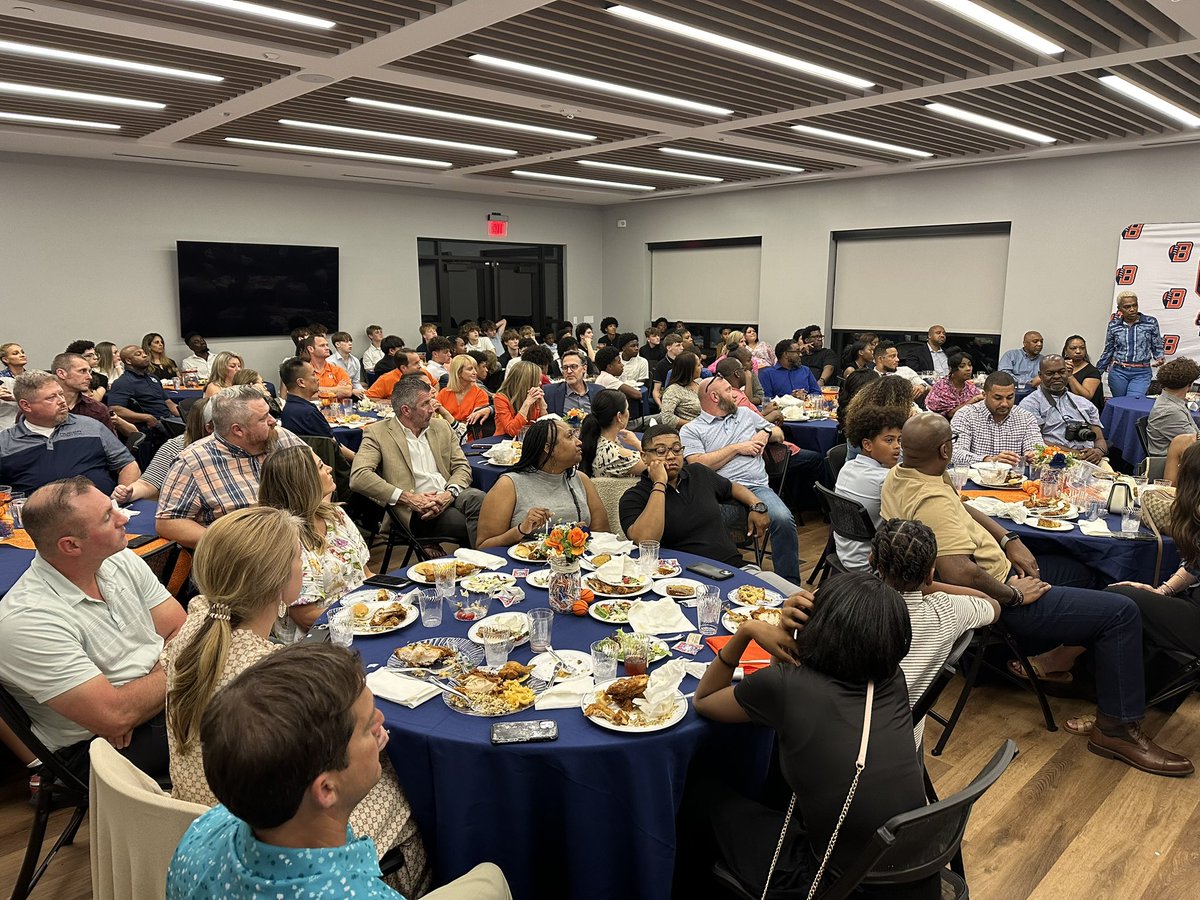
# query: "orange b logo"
[1180,252]
[1132,233]
[1173,299]
[1126,274]
[1170,344]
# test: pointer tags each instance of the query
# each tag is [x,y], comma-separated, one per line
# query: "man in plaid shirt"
[996,429]
[219,474]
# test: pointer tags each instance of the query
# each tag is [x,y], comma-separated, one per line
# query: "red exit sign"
[497,229]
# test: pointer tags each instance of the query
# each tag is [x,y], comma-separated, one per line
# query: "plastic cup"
[443,577]
[1131,519]
[496,650]
[648,558]
[430,602]
[472,605]
[541,626]
[958,476]
[15,510]
[708,611]
[341,627]
[604,660]
[637,656]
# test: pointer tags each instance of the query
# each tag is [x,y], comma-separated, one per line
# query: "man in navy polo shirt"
[789,376]
[299,415]
[138,386]
[49,443]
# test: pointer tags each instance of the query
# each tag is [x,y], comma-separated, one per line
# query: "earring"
[282,608]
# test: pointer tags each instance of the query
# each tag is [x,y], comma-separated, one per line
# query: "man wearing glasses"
[788,377]
[573,392]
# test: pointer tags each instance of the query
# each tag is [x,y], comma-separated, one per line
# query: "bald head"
[135,357]
[926,440]
[1032,343]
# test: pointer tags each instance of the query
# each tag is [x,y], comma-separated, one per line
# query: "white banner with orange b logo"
[1161,264]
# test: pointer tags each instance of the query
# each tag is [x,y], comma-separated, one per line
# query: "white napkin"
[479,558]
[786,400]
[618,567]
[990,506]
[607,542]
[400,688]
[658,617]
[1098,528]
[660,690]
[794,414]
[566,694]
[695,669]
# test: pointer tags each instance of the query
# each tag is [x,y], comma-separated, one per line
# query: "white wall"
[87,249]
[1066,217]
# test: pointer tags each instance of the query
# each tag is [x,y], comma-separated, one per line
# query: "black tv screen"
[255,290]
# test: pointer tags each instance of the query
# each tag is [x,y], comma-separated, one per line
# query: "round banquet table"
[819,436]
[1119,421]
[483,473]
[14,560]
[590,815]
[351,437]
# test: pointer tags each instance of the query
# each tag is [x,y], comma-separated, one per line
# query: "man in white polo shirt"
[83,628]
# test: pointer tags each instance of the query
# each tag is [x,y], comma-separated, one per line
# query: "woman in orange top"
[519,400]
[462,400]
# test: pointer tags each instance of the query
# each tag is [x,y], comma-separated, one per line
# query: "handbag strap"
[860,763]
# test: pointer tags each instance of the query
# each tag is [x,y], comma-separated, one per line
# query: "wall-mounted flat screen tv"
[255,290]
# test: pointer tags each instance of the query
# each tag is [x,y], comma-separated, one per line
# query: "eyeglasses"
[571,368]
[663,452]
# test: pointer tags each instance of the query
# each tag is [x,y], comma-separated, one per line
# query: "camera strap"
[1050,399]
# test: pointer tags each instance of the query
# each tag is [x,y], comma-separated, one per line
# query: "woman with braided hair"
[903,553]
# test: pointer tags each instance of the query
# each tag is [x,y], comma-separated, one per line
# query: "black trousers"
[1168,623]
[147,750]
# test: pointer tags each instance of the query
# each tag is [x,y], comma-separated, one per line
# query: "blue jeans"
[1125,381]
[785,547]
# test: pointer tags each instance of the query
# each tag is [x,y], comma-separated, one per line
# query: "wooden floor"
[1061,823]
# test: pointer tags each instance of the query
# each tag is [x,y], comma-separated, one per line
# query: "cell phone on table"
[524,732]
[710,571]
[141,540]
[387,581]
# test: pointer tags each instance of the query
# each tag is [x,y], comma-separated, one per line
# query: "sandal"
[1015,667]
[1080,725]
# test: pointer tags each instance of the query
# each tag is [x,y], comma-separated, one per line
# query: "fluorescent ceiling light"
[570,179]
[618,167]
[604,87]
[474,120]
[732,160]
[987,122]
[88,59]
[402,138]
[741,47]
[51,120]
[860,141]
[1144,97]
[352,154]
[266,12]
[32,90]
[1002,26]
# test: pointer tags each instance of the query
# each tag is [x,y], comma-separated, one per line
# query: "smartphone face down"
[524,732]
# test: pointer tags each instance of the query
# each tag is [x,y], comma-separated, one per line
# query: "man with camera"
[1065,419]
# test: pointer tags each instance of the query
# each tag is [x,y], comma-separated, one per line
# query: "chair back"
[945,673]
[776,459]
[330,452]
[162,561]
[1154,468]
[1142,427]
[835,459]
[134,827]
[611,490]
[15,717]
[915,845]
[173,428]
[848,518]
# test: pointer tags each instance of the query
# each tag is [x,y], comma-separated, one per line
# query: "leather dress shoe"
[1132,747]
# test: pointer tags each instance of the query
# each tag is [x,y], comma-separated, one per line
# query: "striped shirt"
[156,472]
[1126,344]
[211,478]
[938,620]
[977,433]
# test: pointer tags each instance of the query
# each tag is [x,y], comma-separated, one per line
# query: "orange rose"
[577,537]
[554,541]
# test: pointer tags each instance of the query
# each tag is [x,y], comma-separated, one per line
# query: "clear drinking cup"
[541,627]
[637,657]
[496,650]
[604,660]
[341,627]
[648,558]
[708,611]
[443,577]
[430,602]
[1131,519]
[14,509]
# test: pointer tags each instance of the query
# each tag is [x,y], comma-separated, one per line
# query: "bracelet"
[723,662]
[660,484]
[1017,598]
[523,534]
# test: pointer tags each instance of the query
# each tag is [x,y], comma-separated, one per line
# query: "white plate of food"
[514,623]
[658,647]
[487,581]
[732,619]
[753,595]
[678,588]
[375,614]
[422,573]
[668,568]
[629,586]
[1043,523]
[528,551]
[578,660]
[539,578]
[440,655]
[613,612]
[611,706]
[495,691]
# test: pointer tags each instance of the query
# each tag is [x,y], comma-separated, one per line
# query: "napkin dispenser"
[1120,497]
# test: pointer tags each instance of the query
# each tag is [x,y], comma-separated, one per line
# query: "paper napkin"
[617,568]
[400,688]
[479,558]
[991,506]
[607,542]
[660,693]
[565,694]
[658,617]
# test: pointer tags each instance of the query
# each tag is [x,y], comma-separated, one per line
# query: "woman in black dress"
[1084,380]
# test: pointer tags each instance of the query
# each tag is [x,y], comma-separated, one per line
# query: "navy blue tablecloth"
[819,436]
[1113,559]
[352,437]
[14,561]
[591,815]
[483,473]
[1119,421]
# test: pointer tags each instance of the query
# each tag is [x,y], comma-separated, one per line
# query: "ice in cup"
[604,660]
[496,650]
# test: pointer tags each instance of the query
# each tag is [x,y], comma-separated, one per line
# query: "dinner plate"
[588,560]
[516,622]
[770,597]
[487,581]
[539,578]
[610,612]
[681,708]
[537,685]
[468,654]
[668,568]
[577,658]
[1032,522]
[512,552]
[661,588]
[658,647]
[413,575]
[644,588]
[729,624]
[375,605]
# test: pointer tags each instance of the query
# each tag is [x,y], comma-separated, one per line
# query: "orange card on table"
[753,658]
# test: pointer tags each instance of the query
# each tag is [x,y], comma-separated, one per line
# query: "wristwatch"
[1008,536]
[758,507]
[454,489]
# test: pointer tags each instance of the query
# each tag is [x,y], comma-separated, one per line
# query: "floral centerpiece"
[1045,454]
[564,546]
[575,417]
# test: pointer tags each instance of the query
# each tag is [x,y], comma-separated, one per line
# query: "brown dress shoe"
[1133,748]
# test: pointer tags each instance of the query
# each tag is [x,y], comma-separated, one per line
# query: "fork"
[570,669]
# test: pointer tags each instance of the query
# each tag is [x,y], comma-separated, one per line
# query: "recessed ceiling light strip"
[89,59]
[331,151]
[266,12]
[33,90]
[401,138]
[1025,134]
[732,160]
[604,87]
[25,118]
[859,141]
[1002,26]
[665,173]
[740,47]
[570,179]
[473,120]
[1149,100]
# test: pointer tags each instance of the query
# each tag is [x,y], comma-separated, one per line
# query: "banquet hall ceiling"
[652,99]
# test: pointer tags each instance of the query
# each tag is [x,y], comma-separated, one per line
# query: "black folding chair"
[422,546]
[930,695]
[835,459]
[59,787]
[1142,427]
[848,519]
[1185,680]
[908,847]
[329,451]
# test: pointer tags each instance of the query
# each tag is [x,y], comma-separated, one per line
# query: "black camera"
[1080,431]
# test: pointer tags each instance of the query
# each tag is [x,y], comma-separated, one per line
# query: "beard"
[728,405]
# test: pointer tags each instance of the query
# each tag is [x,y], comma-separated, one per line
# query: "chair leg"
[1186,680]
[26,877]
[1034,682]
[822,565]
[387,554]
[67,837]
[948,726]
